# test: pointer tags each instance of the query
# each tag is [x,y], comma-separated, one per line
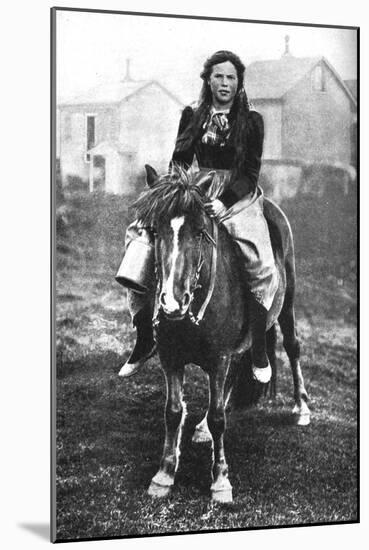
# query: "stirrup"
[262,375]
[129,369]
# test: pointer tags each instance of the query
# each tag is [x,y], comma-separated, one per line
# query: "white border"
[25,268]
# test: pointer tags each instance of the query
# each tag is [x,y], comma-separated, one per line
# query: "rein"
[213,239]
[213,269]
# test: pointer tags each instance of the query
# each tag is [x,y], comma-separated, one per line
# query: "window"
[67,127]
[317,79]
[90,134]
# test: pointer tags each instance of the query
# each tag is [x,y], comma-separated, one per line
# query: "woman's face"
[223,82]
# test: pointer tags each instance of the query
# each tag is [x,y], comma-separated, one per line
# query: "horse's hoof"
[303,420]
[202,436]
[223,496]
[221,490]
[159,491]
[262,375]
[302,414]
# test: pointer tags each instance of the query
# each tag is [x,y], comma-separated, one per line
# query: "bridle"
[213,240]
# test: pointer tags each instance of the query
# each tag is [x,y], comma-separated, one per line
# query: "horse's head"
[173,209]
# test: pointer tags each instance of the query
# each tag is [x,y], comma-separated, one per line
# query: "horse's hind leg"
[271,342]
[175,411]
[292,347]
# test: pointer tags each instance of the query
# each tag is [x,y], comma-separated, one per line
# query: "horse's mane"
[173,194]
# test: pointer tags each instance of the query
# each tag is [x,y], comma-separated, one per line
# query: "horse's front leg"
[175,411]
[202,433]
[221,489]
[292,346]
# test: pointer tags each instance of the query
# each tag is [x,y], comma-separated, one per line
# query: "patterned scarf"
[217,128]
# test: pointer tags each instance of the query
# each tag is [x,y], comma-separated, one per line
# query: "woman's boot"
[145,344]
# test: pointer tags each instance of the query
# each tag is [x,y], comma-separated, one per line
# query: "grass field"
[110,431]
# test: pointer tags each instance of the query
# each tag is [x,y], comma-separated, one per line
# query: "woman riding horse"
[226,137]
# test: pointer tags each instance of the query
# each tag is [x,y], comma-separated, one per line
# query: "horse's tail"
[246,391]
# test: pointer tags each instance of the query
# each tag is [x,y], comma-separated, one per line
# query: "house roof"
[352,85]
[115,92]
[272,79]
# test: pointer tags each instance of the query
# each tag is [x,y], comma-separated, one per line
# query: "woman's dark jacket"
[222,158]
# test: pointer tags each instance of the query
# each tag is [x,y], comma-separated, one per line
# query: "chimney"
[286,46]
[128,78]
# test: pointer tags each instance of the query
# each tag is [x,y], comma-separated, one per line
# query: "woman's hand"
[215,208]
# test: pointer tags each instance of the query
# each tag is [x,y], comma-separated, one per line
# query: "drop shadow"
[42,530]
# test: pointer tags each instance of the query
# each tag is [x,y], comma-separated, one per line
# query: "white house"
[107,135]
[309,111]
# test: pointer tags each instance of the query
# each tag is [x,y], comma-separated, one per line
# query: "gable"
[339,80]
[158,87]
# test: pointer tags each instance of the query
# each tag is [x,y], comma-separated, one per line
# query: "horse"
[201,317]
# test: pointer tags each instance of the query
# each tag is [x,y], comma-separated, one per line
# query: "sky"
[92,49]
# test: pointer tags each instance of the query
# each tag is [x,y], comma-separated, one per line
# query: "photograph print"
[204,207]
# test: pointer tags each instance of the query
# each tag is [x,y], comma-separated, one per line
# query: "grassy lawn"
[110,431]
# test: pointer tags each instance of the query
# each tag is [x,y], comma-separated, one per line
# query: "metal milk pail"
[136,271]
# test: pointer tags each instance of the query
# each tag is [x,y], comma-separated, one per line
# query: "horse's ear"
[204,182]
[151,175]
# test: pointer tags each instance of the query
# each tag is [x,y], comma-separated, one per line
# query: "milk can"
[137,269]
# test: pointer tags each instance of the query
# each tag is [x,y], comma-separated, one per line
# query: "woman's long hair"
[238,114]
